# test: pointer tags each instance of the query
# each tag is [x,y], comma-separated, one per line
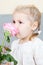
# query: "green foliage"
[7,56]
[7,49]
[0,48]
[7,36]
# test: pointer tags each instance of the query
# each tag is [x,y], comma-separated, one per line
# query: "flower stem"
[3,42]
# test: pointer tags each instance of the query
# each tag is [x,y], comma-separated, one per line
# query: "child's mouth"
[17,34]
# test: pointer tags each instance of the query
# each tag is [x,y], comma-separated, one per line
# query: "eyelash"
[19,22]
[13,21]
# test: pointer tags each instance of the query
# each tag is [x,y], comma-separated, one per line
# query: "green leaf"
[8,39]
[7,36]
[0,48]
[7,33]
[2,57]
[7,49]
[9,58]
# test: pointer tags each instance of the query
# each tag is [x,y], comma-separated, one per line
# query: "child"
[28,49]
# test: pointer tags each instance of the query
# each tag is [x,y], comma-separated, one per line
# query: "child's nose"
[16,25]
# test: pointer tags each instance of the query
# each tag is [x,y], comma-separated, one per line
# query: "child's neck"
[28,38]
[23,40]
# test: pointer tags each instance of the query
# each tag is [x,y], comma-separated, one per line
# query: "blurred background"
[7,7]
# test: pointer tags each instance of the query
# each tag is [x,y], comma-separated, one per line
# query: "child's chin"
[18,36]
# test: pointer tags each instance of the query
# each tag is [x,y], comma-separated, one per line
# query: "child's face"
[23,24]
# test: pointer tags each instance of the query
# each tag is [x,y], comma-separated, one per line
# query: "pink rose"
[11,28]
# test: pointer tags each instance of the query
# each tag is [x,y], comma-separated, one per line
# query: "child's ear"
[34,25]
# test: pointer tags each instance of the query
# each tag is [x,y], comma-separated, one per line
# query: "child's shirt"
[28,53]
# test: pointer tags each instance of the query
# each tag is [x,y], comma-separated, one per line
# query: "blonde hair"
[33,11]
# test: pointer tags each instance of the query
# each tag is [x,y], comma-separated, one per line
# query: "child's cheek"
[23,32]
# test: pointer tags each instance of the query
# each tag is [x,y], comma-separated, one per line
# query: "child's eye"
[20,22]
[13,21]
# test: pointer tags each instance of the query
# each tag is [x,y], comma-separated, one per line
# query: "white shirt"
[28,53]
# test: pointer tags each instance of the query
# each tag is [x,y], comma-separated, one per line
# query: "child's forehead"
[21,15]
